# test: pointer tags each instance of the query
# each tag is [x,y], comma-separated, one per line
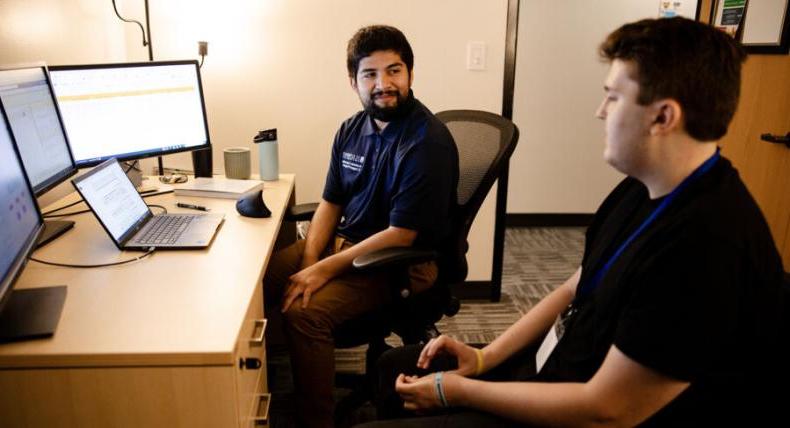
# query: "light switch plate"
[476,56]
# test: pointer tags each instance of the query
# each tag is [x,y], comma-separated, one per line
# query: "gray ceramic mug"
[237,162]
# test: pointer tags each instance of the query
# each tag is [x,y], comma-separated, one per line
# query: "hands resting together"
[420,394]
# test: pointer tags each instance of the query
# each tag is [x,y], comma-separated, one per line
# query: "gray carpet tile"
[536,260]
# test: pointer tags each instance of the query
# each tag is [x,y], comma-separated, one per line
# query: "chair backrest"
[485,142]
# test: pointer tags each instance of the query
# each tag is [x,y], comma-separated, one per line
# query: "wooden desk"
[163,341]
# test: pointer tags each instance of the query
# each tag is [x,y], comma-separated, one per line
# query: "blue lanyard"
[591,285]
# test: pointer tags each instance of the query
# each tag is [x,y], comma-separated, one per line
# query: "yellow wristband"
[479,369]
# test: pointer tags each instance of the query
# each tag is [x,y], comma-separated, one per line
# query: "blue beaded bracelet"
[440,388]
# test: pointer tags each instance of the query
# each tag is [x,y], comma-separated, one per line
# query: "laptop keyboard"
[166,229]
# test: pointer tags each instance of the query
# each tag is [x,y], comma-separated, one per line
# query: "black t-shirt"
[696,296]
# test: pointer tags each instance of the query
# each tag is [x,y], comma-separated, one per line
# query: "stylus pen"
[194,207]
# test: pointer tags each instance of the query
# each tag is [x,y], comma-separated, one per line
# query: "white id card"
[548,345]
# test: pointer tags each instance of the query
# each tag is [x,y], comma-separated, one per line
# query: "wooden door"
[765,168]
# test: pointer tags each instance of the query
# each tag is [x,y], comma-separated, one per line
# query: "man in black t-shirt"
[672,319]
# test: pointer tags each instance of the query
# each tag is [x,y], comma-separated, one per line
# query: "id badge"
[553,337]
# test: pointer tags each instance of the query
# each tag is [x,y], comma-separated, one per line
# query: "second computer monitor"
[26,94]
[131,110]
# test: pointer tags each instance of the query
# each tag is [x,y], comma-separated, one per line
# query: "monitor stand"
[31,313]
[53,229]
[135,174]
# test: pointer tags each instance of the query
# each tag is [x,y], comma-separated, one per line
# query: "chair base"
[362,386]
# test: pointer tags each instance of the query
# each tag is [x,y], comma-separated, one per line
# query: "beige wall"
[558,166]
[279,63]
[60,32]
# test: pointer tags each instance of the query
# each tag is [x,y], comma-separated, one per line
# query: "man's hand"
[466,355]
[419,393]
[304,283]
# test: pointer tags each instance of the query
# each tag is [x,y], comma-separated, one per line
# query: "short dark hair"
[377,38]
[695,64]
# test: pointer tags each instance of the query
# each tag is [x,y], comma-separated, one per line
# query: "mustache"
[376,94]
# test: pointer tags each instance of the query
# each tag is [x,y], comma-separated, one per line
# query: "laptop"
[122,212]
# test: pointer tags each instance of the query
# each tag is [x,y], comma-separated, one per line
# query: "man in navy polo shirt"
[391,182]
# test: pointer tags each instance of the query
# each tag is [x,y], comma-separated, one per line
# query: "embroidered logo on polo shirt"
[352,161]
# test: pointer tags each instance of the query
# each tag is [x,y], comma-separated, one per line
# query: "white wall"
[279,63]
[558,166]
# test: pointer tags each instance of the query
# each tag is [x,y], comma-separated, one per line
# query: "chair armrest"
[393,257]
[301,212]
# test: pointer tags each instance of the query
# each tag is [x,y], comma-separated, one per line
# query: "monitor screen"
[35,121]
[20,220]
[131,111]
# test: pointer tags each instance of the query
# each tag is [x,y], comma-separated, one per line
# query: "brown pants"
[309,331]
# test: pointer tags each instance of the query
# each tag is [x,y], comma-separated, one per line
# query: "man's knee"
[281,266]
[307,321]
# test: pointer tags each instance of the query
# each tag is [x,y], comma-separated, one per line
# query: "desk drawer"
[121,397]
[250,357]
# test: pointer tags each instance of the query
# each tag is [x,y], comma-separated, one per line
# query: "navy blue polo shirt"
[405,176]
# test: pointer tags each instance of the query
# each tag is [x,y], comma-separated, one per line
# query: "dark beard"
[388,114]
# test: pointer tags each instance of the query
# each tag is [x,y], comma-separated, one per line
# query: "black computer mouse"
[251,205]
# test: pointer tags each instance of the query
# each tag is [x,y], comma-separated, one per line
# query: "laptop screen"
[113,198]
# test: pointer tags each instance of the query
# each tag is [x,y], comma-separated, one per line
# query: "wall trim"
[472,290]
[548,220]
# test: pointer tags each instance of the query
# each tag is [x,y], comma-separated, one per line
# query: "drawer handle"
[250,363]
[258,340]
[261,414]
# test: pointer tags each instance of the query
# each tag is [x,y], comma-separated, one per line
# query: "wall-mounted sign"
[685,8]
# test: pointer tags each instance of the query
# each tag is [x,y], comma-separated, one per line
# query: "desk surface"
[177,307]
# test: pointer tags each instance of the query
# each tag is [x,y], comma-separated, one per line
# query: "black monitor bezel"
[64,174]
[20,259]
[147,154]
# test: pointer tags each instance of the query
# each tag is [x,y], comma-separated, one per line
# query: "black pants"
[404,360]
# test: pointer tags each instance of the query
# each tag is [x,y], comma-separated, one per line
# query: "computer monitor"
[28,313]
[131,110]
[35,121]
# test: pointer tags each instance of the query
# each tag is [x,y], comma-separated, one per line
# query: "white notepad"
[217,187]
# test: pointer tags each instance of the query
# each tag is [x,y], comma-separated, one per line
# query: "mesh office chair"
[485,142]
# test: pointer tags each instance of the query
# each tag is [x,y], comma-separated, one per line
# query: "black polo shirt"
[405,176]
[696,297]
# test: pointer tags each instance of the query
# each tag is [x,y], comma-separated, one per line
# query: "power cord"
[147,253]
[202,51]
[65,214]
[145,42]
[49,214]
[164,210]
